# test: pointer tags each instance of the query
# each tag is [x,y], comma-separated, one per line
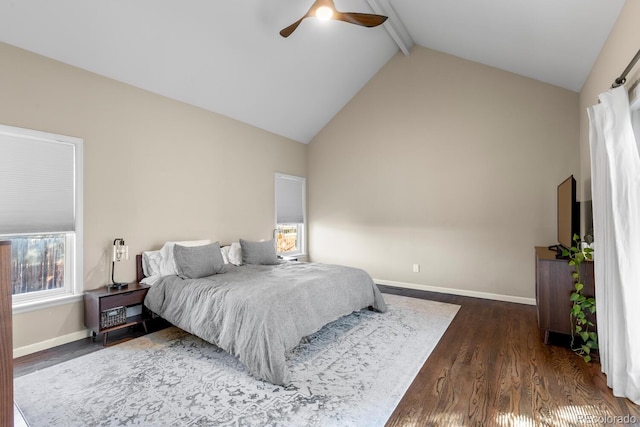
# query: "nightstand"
[105,309]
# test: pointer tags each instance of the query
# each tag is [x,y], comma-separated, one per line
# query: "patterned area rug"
[353,372]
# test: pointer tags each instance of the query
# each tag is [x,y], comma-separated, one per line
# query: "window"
[41,214]
[290,214]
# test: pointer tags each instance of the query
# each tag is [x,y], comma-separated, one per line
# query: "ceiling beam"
[394,25]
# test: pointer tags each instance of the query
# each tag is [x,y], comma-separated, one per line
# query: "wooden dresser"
[6,340]
[554,285]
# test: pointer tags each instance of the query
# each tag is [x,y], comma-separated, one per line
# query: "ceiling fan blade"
[286,32]
[364,19]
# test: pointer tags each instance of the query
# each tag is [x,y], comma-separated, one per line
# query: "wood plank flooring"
[491,368]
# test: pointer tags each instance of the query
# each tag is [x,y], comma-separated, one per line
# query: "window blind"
[37,185]
[290,191]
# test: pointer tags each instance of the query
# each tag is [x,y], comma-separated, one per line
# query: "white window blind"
[37,183]
[290,199]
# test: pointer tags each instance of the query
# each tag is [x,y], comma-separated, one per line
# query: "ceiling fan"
[325,9]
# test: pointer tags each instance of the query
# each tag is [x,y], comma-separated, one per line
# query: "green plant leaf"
[581,305]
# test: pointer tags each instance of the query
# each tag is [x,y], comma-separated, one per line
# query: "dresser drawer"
[124,299]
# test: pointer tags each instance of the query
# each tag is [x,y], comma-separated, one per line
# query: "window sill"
[291,256]
[27,306]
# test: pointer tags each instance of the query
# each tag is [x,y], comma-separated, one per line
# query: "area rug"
[353,372]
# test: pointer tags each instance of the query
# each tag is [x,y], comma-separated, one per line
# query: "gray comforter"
[259,312]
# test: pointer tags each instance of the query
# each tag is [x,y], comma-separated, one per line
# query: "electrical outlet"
[416,268]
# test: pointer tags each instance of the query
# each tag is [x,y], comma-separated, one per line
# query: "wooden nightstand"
[105,309]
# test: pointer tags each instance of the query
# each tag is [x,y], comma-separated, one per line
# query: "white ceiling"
[227,56]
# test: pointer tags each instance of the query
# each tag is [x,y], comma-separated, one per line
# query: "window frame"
[301,240]
[72,291]
[302,227]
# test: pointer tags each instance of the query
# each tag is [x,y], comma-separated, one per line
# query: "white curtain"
[615,184]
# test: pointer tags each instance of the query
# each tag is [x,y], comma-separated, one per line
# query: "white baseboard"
[53,342]
[474,294]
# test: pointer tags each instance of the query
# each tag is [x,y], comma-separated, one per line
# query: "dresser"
[6,340]
[554,285]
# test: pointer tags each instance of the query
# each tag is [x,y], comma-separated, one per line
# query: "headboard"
[139,271]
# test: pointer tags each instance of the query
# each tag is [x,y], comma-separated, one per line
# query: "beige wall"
[615,55]
[155,170]
[445,163]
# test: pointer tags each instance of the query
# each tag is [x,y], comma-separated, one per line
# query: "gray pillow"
[194,262]
[263,253]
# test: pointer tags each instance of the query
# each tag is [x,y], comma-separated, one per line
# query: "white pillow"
[225,253]
[151,263]
[235,254]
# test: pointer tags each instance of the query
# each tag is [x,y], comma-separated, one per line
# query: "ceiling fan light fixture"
[325,9]
[324,13]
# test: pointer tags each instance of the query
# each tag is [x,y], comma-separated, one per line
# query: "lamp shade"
[120,250]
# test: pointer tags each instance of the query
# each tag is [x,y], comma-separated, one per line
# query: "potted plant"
[582,306]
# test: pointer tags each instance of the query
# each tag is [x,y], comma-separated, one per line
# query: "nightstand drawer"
[124,299]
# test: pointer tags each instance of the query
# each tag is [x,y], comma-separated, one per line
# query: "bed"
[258,310]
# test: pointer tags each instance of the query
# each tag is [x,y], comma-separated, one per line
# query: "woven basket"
[113,317]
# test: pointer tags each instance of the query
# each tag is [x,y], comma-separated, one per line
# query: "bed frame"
[139,271]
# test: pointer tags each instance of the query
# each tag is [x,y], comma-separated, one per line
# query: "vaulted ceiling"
[227,56]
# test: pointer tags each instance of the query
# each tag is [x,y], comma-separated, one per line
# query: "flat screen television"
[568,213]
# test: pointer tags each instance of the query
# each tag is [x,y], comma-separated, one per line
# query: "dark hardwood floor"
[43,359]
[491,368]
